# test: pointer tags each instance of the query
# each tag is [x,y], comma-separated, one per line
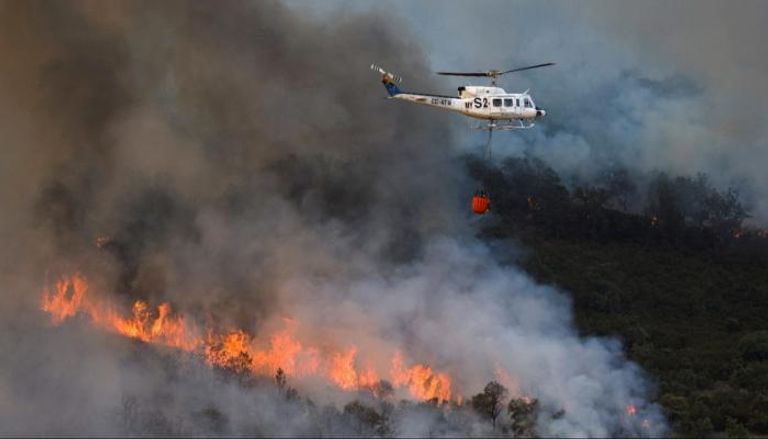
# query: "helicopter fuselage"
[487,103]
[503,111]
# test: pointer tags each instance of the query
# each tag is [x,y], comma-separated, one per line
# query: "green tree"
[664,206]
[523,412]
[366,418]
[619,185]
[490,402]
[754,346]
[700,427]
[676,406]
[734,429]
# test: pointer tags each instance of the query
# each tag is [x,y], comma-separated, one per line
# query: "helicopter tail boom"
[392,89]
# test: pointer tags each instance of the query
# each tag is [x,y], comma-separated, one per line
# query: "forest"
[669,268]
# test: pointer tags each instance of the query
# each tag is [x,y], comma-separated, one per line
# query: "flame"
[237,350]
[153,327]
[67,300]
[368,378]
[222,350]
[631,410]
[421,380]
[282,353]
[342,370]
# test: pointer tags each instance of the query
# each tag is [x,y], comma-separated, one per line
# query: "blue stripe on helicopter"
[392,89]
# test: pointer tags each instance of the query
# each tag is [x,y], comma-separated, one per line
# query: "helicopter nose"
[540,112]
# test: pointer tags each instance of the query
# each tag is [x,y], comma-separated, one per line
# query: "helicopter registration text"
[439,101]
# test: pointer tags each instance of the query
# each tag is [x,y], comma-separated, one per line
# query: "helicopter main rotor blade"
[520,69]
[494,73]
[463,74]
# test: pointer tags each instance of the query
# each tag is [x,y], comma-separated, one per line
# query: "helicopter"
[503,111]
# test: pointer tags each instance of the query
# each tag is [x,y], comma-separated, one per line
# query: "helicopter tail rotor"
[389,80]
[390,77]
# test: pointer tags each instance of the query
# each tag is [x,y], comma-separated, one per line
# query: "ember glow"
[238,350]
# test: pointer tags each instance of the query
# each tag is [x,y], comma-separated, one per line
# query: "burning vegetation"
[237,244]
[238,351]
[282,357]
[286,355]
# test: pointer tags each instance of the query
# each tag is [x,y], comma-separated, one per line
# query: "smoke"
[237,160]
[647,87]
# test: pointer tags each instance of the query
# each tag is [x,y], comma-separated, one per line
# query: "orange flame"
[342,372]
[281,354]
[422,382]
[237,350]
[67,300]
[154,327]
[222,350]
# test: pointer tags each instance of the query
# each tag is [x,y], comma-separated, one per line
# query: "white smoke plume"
[236,160]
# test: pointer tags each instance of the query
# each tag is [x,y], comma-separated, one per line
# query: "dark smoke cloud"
[237,160]
[648,86]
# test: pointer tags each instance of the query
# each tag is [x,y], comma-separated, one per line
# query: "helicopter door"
[509,107]
[497,107]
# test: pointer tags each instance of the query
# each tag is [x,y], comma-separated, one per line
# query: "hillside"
[687,299]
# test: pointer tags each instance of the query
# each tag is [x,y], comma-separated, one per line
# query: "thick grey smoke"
[676,87]
[237,160]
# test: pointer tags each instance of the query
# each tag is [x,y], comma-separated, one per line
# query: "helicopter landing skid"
[505,126]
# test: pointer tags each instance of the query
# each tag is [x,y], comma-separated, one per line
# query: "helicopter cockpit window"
[528,103]
[497,102]
[509,102]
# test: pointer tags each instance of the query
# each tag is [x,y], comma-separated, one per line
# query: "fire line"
[238,350]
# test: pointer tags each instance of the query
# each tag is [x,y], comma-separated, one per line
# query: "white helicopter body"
[504,111]
[487,103]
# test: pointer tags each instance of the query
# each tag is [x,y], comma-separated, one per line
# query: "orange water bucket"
[481,203]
